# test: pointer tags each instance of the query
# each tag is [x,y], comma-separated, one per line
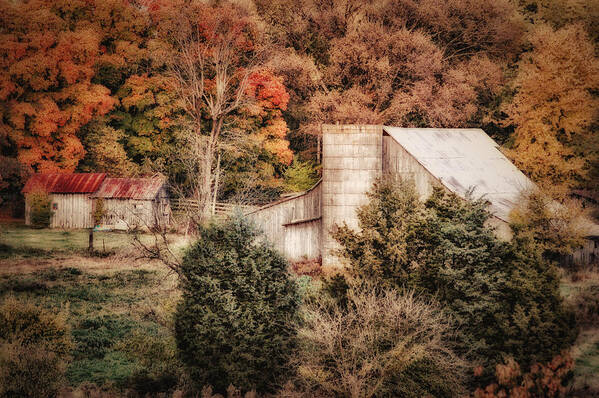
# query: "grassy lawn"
[586,348]
[586,369]
[116,304]
[22,238]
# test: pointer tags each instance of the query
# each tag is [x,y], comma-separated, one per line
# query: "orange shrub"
[543,381]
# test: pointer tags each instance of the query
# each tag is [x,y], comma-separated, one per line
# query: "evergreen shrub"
[234,324]
[505,295]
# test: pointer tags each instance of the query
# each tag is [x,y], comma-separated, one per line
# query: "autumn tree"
[429,63]
[212,50]
[105,153]
[255,147]
[47,60]
[562,13]
[554,105]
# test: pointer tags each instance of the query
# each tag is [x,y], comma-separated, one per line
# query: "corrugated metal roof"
[466,159]
[130,188]
[65,183]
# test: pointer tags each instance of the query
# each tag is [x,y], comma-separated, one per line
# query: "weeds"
[101,319]
[95,336]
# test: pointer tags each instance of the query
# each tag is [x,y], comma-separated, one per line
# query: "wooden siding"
[398,161]
[71,211]
[588,254]
[351,161]
[293,225]
[126,214]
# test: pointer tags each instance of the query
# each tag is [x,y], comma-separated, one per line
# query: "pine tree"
[233,324]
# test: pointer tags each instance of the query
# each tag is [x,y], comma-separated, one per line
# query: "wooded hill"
[230,95]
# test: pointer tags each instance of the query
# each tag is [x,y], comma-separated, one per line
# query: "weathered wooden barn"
[133,203]
[353,156]
[127,202]
[70,197]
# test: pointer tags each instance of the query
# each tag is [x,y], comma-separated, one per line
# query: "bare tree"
[210,69]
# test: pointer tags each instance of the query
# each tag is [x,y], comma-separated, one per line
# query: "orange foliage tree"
[424,64]
[257,148]
[212,53]
[47,59]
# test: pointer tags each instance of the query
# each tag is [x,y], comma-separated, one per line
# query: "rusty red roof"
[130,188]
[65,183]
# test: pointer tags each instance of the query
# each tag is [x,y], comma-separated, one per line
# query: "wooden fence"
[219,209]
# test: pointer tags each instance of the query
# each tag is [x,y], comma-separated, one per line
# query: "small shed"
[70,197]
[133,203]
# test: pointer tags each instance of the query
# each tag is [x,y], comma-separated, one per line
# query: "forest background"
[99,86]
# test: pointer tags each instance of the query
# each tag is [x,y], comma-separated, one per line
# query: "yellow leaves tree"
[554,105]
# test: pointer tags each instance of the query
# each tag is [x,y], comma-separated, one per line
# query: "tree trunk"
[205,191]
[207,176]
[216,181]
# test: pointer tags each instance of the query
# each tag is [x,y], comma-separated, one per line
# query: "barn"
[353,156]
[70,197]
[133,203]
[127,202]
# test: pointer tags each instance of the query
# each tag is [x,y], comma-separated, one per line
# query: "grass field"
[105,310]
[114,302]
[586,348]
[23,239]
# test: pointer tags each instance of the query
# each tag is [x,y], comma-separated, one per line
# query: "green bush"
[34,344]
[159,369]
[233,325]
[99,211]
[26,323]
[95,336]
[300,176]
[504,294]
[556,224]
[40,209]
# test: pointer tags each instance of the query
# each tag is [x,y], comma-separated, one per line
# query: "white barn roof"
[463,160]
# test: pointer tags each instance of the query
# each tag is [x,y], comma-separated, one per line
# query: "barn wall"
[126,214]
[161,208]
[73,211]
[588,254]
[293,225]
[397,161]
[351,161]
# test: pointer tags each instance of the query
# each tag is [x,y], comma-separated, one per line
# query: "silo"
[351,161]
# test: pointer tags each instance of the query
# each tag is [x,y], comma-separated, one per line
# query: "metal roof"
[65,183]
[130,188]
[466,159]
